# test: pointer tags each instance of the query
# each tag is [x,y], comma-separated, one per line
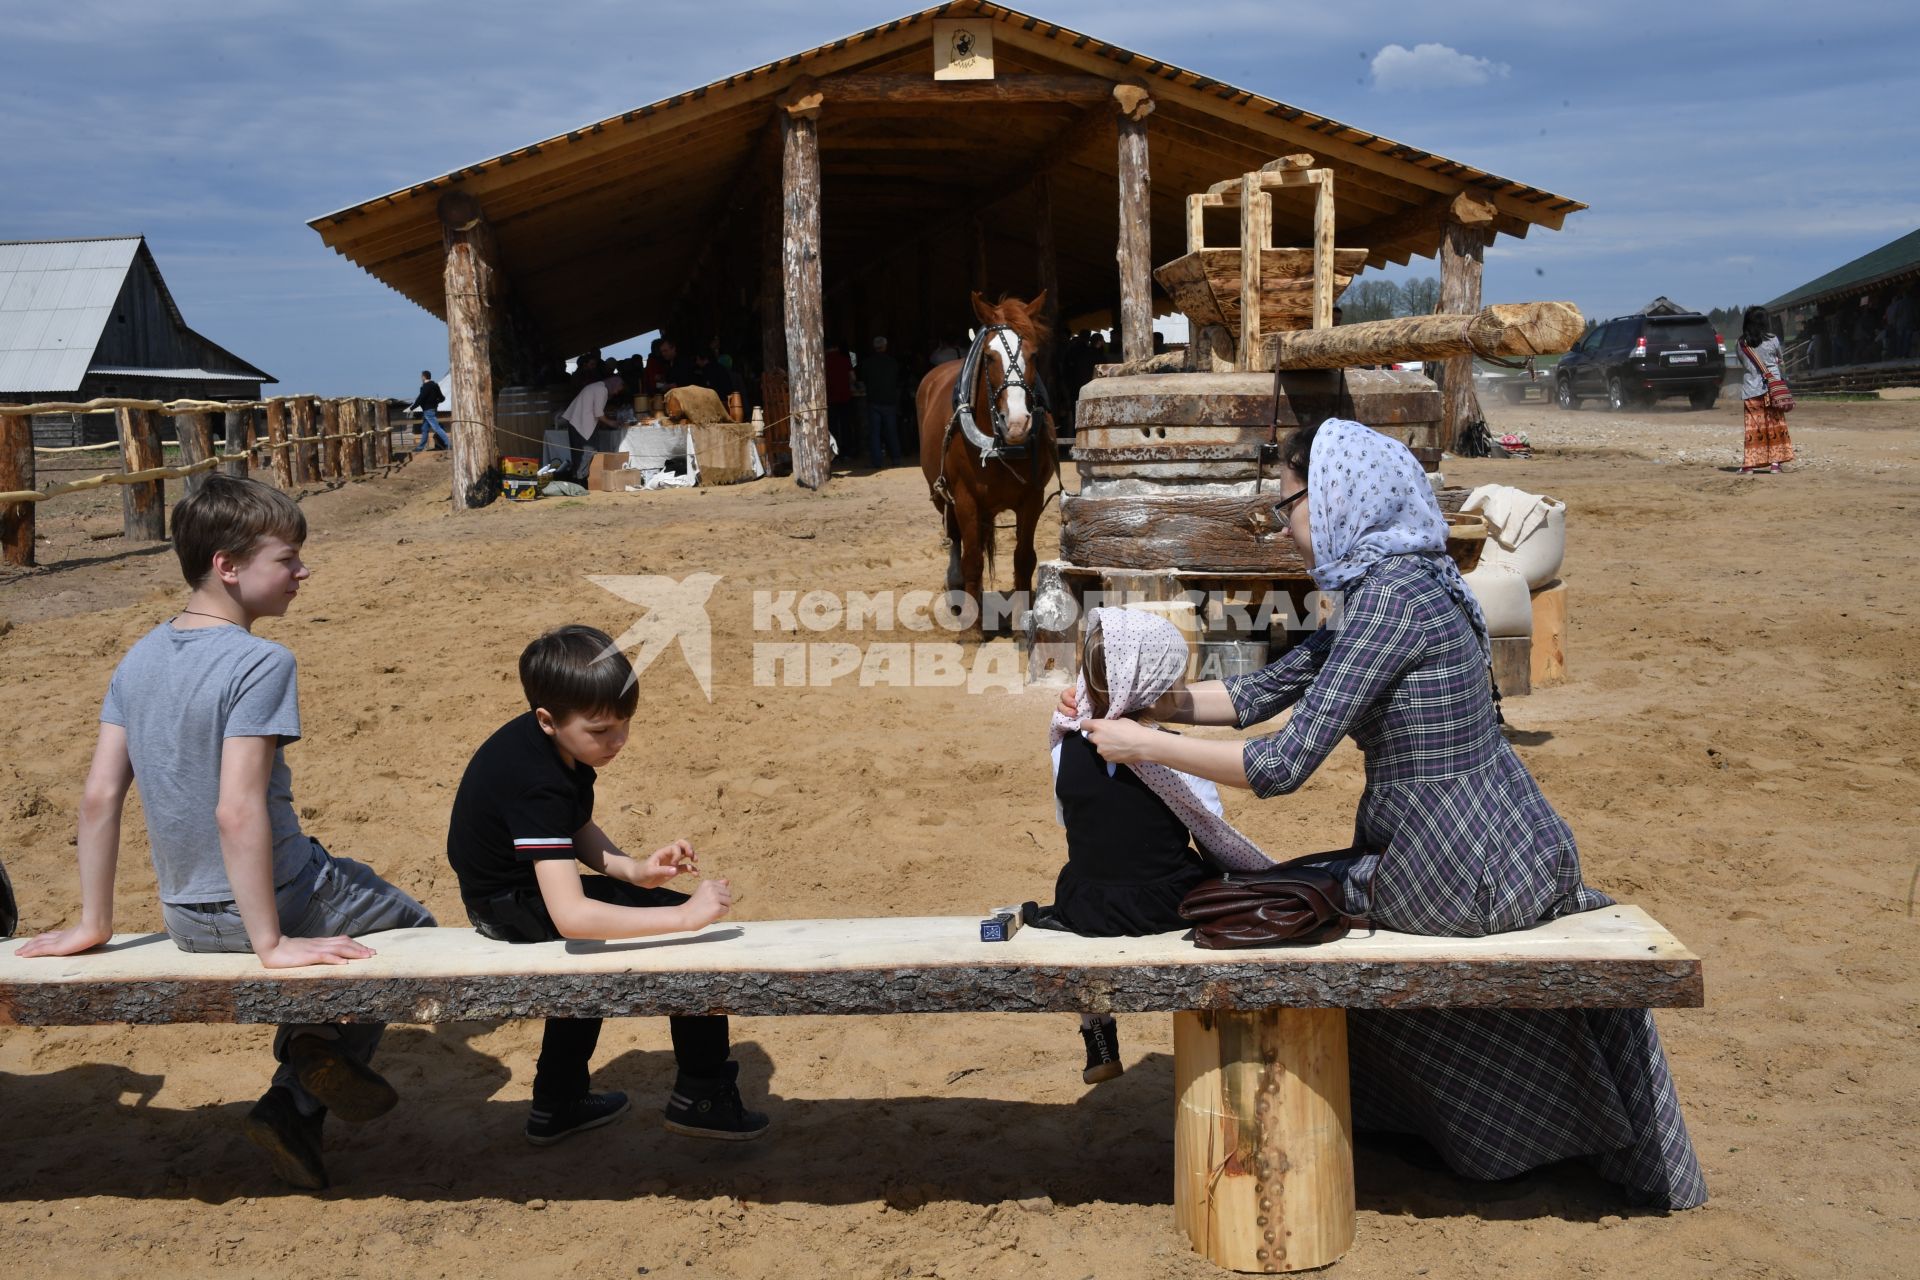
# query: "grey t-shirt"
[180,695]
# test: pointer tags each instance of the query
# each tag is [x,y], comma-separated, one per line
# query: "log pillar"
[279,452]
[470,267]
[1135,250]
[16,474]
[143,507]
[1263,1137]
[800,231]
[236,436]
[1462,253]
[195,432]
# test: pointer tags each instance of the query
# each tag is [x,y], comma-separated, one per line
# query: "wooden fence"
[292,440]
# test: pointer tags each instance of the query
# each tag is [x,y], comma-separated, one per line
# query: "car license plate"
[1683,359]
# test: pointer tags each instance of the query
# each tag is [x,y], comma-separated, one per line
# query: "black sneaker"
[711,1108]
[547,1125]
[291,1140]
[1103,1051]
[351,1089]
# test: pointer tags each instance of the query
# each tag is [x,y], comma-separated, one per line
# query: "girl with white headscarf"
[1452,837]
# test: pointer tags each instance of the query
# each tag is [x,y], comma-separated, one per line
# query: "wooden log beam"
[1423,222]
[1135,250]
[16,476]
[805,317]
[236,430]
[916,88]
[195,433]
[470,265]
[1616,957]
[1504,329]
[143,506]
[1462,253]
[1263,1137]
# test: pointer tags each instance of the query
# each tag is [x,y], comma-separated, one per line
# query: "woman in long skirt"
[1768,447]
[1453,836]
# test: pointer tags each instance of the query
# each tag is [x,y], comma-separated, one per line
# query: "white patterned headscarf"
[1367,499]
[1146,656]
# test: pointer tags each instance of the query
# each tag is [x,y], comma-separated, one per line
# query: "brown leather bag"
[1293,902]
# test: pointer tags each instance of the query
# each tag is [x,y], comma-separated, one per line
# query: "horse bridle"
[971,370]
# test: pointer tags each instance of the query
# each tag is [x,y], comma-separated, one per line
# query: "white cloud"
[1432,66]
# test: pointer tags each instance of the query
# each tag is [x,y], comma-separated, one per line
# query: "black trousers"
[700,1044]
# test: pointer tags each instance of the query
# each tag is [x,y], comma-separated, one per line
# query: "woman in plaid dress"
[1453,836]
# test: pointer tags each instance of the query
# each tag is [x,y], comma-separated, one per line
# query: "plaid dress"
[1453,837]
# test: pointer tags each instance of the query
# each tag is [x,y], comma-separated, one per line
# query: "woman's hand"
[1069,704]
[1123,741]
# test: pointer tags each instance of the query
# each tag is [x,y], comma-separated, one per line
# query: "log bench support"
[1263,1137]
[1263,1144]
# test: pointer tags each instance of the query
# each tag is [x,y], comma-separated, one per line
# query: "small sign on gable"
[962,49]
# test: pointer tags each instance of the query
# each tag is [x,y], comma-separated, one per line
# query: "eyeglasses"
[1283,509]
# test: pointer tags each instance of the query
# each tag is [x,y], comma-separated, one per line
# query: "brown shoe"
[291,1140]
[351,1089]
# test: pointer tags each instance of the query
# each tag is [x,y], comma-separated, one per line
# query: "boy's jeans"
[430,422]
[331,896]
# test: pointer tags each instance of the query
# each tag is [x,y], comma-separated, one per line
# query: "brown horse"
[968,489]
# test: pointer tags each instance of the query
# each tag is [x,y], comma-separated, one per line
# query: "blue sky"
[1730,151]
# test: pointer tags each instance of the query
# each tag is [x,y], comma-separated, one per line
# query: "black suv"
[1635,360]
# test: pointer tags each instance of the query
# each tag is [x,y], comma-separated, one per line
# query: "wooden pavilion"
[864,187]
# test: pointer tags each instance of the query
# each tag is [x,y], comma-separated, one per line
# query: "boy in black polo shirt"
[523,819]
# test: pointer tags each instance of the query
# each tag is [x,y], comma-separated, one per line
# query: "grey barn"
[81,319]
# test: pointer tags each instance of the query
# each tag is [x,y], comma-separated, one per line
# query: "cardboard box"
[602,469]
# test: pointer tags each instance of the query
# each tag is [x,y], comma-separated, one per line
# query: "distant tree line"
[1386,299]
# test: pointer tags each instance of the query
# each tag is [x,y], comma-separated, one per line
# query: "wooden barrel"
[1176,471]
[522,416]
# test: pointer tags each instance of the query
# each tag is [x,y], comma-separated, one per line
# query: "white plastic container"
[1503,596]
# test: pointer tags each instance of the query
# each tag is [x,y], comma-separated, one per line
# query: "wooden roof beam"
[911,88]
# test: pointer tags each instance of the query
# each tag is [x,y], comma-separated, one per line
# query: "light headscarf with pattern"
[1146,655]
[1367,499]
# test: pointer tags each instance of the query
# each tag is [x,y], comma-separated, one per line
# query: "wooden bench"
[1262,1131]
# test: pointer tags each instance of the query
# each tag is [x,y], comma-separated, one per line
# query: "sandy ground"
[1735,749]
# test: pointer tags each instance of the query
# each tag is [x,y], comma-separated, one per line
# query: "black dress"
[1129,859]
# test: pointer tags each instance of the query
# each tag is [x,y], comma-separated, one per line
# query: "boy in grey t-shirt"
[198,712]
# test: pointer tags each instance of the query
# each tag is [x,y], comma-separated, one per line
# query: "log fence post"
[143,507]
[16,473]
[307,453]
[195,433]
[279,453]
[330,463]
[806,361]
[383,432]
[351,452]
[236,436]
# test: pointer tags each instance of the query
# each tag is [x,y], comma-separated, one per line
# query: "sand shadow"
[93,1131]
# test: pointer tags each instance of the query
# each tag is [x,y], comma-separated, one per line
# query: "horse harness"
[991,447]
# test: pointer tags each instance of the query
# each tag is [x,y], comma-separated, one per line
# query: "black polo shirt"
[517,804]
